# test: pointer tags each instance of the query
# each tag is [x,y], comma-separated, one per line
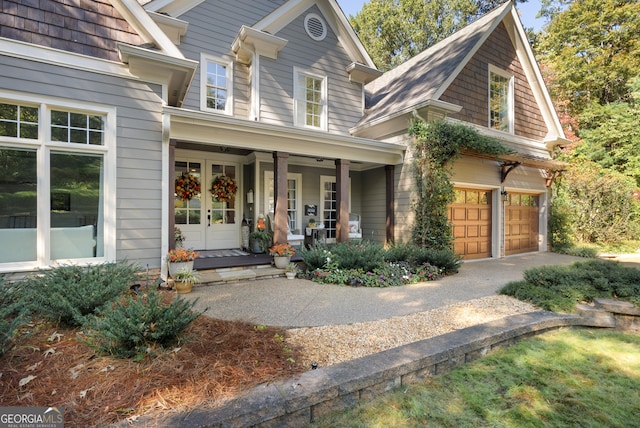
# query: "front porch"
[287,175]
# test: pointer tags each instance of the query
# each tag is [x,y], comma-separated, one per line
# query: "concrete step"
[219,276]
[595,317]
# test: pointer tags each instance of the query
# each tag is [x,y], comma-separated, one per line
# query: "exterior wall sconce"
[250,197]
[505,195]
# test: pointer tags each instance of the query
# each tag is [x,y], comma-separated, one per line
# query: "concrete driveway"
[302,303]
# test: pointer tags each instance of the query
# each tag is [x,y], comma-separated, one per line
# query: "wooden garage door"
[470,216]
[522,217]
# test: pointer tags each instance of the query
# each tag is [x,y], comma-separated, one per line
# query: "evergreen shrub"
[69,294]
[365,255]
[559,288]
[134,325]
[12,313]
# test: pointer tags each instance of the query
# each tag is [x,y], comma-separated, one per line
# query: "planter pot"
[176,266]
[290,275]
[183,287]
[281,262]
[255,246]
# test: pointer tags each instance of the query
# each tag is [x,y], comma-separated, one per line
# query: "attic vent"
[315,27]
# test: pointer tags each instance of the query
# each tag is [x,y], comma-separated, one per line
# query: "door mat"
[221,253]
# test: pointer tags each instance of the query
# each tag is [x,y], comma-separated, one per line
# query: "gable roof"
[420,81]
[281,17]
[335,17]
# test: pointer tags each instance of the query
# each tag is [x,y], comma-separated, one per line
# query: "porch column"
[280,170]
[342,200]
[390,202]
[172,189]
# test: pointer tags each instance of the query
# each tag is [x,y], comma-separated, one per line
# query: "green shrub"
[12,313]
[559,288]
[586,252]
[133,325]
[401,252]
[70,293]
[365,255]
[315,257]
[444,258]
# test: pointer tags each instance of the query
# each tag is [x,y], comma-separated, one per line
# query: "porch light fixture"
[505,195]
[250,197]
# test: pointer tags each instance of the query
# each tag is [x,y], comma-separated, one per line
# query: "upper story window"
[500,100]
[310,93]
[216,77]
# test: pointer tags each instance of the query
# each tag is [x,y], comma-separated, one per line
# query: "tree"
[592,49]
[393,31]
[599,203]
[611,136]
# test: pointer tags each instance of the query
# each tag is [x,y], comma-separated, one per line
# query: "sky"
[528,11]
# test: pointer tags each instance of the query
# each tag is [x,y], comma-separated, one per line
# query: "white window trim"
[204,59]
[510,99]
[329,179]
[268,176]
[297,99]
[44,146]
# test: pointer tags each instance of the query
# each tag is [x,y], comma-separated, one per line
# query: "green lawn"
[567,378]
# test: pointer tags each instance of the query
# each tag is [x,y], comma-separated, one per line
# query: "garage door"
[522,217]
[470,216]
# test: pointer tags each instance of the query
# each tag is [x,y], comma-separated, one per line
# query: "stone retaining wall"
[299,401]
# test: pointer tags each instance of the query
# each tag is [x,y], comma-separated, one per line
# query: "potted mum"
[282,254]
[180,258]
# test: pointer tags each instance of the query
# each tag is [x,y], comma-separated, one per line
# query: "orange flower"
[182,255]
[282,250]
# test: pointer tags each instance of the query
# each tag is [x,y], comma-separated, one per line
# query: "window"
[329,204]
[57,159]
[310,105]
[293,198]
[217,85]
[500,100]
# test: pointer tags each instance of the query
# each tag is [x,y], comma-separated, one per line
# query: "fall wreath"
[223,188]
[187,186]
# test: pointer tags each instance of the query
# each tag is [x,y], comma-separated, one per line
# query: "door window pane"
[18,205]
[188,212]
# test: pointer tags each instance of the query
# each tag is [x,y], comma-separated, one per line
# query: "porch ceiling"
[214,129]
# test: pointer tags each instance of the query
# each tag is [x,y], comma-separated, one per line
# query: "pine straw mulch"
[220,360]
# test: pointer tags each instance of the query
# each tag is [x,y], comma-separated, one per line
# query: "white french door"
[207,222]
[221,217]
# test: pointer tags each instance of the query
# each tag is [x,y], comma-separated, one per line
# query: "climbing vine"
[436,145]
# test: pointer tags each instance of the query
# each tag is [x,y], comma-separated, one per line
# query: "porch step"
[220,276]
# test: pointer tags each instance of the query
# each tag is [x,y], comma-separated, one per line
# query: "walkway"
[302,303]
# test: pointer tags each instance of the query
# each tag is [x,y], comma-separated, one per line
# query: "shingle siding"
[470,88]
[89,28]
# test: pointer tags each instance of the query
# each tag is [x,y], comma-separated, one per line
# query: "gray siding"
[213,25]
[374,200]
[326,58]
[139,136]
